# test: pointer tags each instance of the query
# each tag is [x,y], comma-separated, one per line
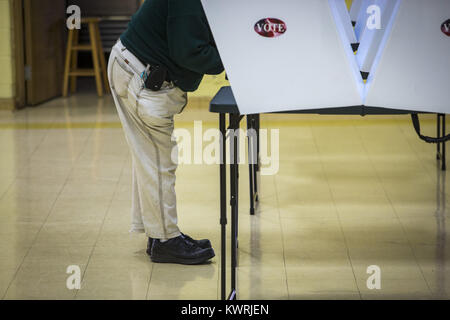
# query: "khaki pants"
[147,120]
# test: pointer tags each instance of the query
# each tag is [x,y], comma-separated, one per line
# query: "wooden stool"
[95,46]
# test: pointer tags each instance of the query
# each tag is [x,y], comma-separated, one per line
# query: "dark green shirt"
[174,34]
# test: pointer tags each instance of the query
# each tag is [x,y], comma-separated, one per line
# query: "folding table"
[224,104]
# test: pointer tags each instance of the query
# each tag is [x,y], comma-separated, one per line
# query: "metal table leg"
[223,203]
[234,142]
[438,128]
[257,164]
[251,134]
[443,152]
[441,132]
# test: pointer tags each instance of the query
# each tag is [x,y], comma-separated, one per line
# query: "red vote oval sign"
[270,27]
[446,27]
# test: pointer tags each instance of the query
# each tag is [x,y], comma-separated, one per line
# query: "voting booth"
[311,64]
[303,56]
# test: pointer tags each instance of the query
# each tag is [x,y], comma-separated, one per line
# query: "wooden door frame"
[44,43]
[28,45]
[18,99]
[19,53]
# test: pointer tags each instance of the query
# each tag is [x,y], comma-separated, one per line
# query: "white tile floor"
[351,192]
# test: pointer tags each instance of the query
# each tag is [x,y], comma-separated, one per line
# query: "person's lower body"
[147,119]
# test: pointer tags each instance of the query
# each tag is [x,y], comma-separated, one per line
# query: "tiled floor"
[351,192]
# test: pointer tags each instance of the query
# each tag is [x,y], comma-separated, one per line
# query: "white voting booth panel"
[371,39]
[361,20]
[412,71]
[310,65]
[344,17]
[306,67]
[355,9]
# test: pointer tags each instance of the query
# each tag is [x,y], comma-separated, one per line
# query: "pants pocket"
[158,108]
[120,79]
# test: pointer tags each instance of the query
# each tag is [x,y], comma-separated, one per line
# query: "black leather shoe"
[179,250]
[203,243]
